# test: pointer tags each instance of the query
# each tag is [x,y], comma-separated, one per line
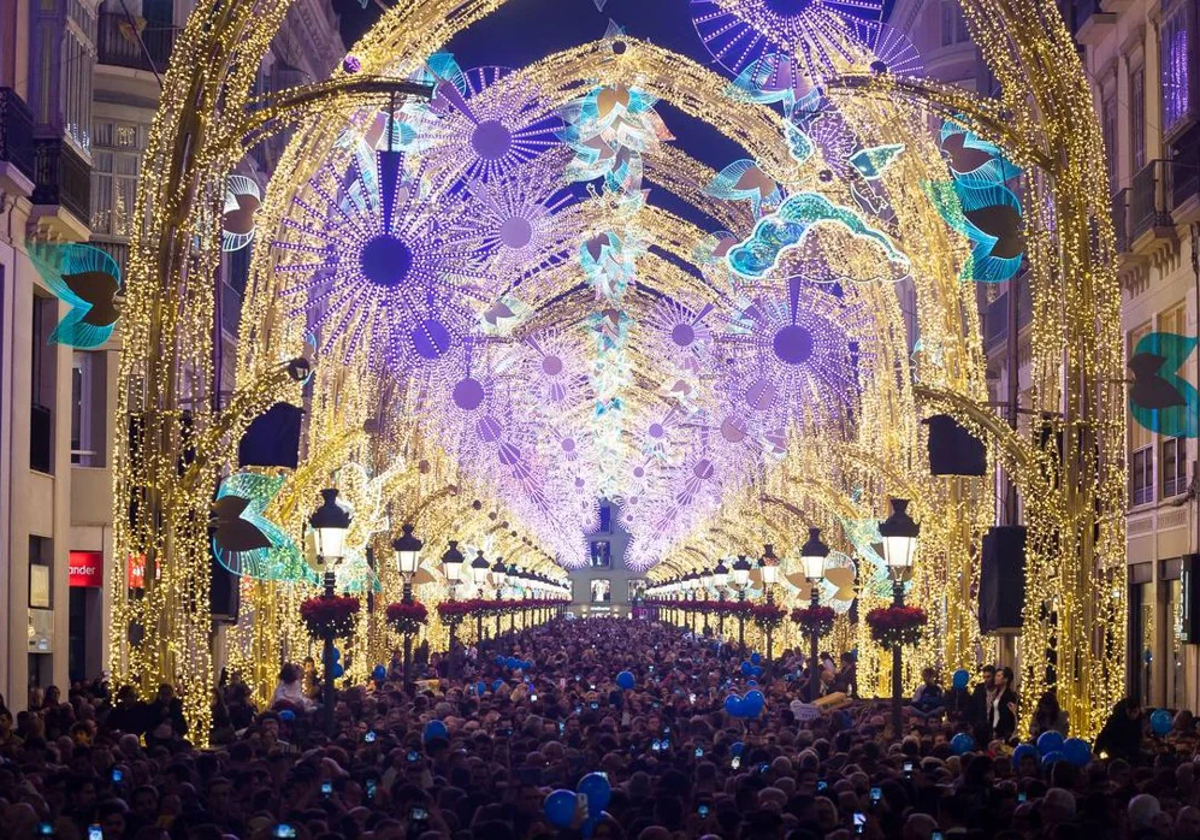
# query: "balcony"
[117,44]
[1089,22]
[62,178]
[1120,219]
[1150,194]
[16,133]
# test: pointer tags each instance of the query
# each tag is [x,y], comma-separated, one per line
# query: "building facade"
[79,85]
[606,586]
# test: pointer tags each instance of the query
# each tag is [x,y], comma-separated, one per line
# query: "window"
[1137,118]
[1141,476]
[42,391]
[601,554]
[1139,435]
[637,589]
[601,591]
[87,409]
[1109,127]
[954,25]
[41,555]
[1175,59]
[1173,467]
[116,160]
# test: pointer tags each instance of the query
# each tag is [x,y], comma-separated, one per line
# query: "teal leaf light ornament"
[86,279]
[244,541]
[872,162]
[1160,399]
[744,180]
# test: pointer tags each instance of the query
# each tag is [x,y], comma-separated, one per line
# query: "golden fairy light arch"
[1044,118]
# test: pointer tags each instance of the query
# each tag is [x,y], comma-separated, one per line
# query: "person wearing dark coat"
[1121,736]
[977,705]
[1002,714]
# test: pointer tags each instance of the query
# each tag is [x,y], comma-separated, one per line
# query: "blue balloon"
[560,808]
[379,673]
[435,729]
[737,747]
[961,678]
[527,664]
[598,791]
[287,715]
[753,703]
[496,685]
[500,661]
[1161,722]
[480,688]
[733,705]
[962,743]
[337,654]
[626,681]
[755,658]
[513,662]
[1049,742]
[1052,758]
[758,670]
[752,683]
[338,670]
[1023,751]
[747,669]
[1077,751]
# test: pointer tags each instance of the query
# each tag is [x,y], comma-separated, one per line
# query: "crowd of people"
[474,748]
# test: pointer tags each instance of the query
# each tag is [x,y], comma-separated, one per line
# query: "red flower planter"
[407,618]
[897,626]
[817,619]
[330,616]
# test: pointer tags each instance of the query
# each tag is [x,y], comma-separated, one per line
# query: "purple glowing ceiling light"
[485,122]
[363,258]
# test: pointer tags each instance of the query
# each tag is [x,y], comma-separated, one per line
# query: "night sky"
[523,31]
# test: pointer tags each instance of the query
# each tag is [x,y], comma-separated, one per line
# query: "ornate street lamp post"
[330,523]
[812,556]
[408,552]
[499,574]
[899,533]
[706,582]
[721,580]
[769,567]
[479,574]
[741,578]
[452,563]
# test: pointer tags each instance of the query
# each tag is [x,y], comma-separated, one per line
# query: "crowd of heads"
[497,742]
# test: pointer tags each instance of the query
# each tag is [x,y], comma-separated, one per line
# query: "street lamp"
[769,567]
[452,564]
[479,573]
[812,556]
[329,522]
[499,574]
[408,553]
[899,534]
[721,580]
[741,577]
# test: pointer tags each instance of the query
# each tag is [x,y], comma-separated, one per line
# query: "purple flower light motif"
[554,373]
[795,357]
[757,36]
[485,121]
[351,64]
[518,220]
[366,259]
[680,332]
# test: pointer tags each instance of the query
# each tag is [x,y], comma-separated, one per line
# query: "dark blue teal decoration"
[1160,399]
[86,279]
[977,203]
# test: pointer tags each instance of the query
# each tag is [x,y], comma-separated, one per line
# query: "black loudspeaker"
[953,450]
[224,593]
[1189,607]
[1002,578]
[273,439]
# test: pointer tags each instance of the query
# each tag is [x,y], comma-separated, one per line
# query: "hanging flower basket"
[818,620]
[767,616]
[407,618]
[330,616]
[897,626]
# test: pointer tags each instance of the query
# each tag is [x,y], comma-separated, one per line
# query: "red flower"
[892,626]
[330,616]
[767,615]
[407,617]
[815,619]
